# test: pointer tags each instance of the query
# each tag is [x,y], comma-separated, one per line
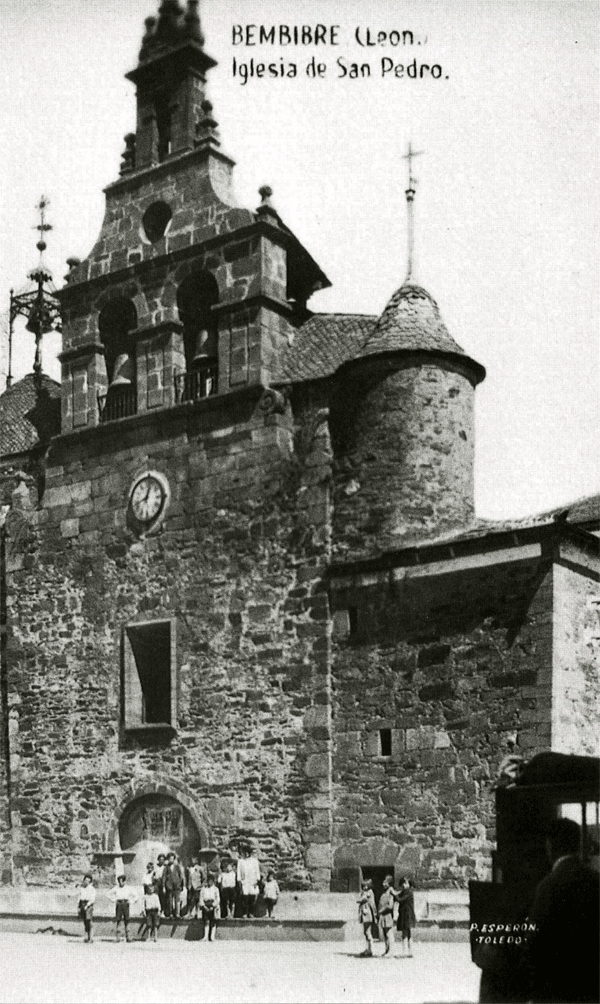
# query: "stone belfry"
[184,295]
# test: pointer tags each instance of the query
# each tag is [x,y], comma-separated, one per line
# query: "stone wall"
[457,668]
[403,433]
[237,565]
[576,681]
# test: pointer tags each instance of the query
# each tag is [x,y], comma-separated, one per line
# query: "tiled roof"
[583,512]
[323,343]
[411,320]
[17,432]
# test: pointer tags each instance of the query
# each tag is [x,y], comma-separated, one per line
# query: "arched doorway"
[155,824]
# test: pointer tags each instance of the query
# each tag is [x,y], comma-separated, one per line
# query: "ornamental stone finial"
[192,22]
[265,192]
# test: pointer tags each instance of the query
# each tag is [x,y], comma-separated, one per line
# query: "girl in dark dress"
[406,915]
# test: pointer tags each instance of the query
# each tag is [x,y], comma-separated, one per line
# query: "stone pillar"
[83,381]
[314,518]
[159,355]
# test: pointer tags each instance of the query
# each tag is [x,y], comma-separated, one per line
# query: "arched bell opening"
[115,323]
[196,297]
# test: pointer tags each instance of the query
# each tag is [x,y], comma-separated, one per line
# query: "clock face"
[147,499]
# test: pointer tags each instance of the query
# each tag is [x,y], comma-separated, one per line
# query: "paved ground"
[44,969]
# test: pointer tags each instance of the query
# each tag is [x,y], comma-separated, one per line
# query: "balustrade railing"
[196,384]
[119,402]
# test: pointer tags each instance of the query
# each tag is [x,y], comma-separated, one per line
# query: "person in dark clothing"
[174,884]
[563,950]
[407,919]
[159,879]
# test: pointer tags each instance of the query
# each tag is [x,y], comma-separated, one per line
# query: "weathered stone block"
[316,717]
[318,765]
[69,527]
[318,856]
[420,738]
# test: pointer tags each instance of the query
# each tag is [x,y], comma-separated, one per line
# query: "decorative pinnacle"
[192,21]
[38,305]
[207,132]
[410,195]
[266,207]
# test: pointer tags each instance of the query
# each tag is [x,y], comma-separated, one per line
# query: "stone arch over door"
[154,819]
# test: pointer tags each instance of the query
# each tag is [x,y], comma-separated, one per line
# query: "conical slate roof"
[412,321]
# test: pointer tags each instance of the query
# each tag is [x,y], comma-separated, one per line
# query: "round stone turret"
[403,430]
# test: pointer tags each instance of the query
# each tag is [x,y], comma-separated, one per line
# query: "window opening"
[155,221]
[148,669]
[353,619]
[385,742]
[163,125]
[587,816]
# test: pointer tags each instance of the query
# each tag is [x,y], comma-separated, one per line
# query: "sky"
[506,217]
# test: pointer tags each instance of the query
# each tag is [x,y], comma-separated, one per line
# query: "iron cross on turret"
[410,195]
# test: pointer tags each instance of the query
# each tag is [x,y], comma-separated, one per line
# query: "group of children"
[207,897]
[372,915]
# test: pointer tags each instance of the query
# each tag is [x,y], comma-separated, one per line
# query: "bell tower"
[185,295]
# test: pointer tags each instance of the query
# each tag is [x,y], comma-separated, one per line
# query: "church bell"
[200,347]
[123,370]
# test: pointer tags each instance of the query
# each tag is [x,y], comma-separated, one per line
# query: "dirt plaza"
[47,969]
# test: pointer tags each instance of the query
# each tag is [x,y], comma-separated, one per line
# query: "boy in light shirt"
[210,902]
[86,899]
[122,896]
[227,883]
[271,893]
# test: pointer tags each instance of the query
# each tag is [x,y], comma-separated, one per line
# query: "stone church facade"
[244,592]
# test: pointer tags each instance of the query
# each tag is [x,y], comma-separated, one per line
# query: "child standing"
[151,907]
[227,883]
[87,898]
[386,913]
[271,893]
[210,906]
[195,877]
[367,914]
[122,896]
[406,914]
